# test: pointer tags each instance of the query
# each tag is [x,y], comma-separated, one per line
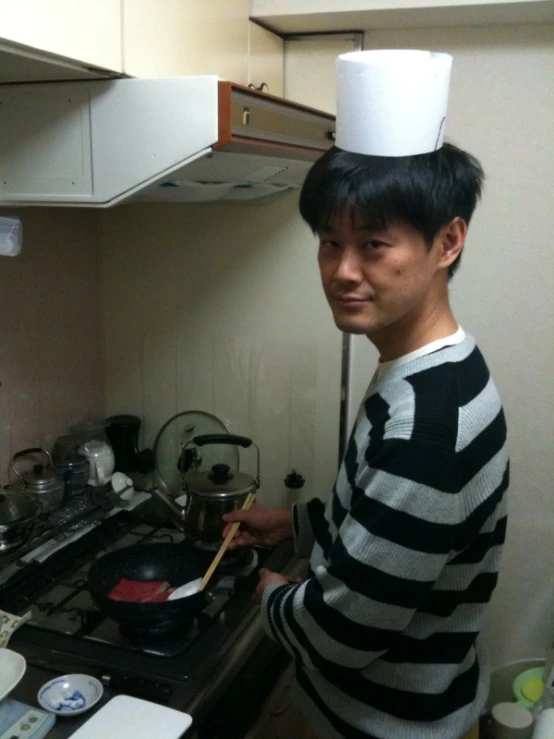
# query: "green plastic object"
[526,682]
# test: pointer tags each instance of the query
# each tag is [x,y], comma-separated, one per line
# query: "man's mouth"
[351,300]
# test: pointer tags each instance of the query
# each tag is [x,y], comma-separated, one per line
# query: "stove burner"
[237,560]
[170,643]
[232,561]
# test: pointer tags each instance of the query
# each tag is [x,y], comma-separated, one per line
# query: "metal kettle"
[211,494]
[41,482]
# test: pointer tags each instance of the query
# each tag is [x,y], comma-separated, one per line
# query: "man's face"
[372,279]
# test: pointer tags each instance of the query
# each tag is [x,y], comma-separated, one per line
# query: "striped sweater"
[404,558]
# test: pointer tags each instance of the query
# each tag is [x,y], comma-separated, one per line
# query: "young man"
[404,557]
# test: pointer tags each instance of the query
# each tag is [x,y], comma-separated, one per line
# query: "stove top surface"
[65,619]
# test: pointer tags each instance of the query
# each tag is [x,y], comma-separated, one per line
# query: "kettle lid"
[220,482]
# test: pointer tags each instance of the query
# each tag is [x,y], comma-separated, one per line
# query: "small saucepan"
[176,564]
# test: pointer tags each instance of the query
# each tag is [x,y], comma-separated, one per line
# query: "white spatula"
[189,588]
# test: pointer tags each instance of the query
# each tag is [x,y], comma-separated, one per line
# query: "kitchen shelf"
[319,16]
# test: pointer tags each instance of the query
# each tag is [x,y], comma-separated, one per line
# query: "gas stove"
[67,632]
[66,606]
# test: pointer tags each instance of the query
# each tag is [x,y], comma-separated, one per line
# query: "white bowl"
[12,669]
[70,695]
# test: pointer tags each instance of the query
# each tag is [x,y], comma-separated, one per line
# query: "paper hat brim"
[392,103]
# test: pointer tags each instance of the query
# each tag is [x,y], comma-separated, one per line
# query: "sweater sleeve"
[396,533]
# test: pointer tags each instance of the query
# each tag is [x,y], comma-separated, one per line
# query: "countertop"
[27,691]
[187,696]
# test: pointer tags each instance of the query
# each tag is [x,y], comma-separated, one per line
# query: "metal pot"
[74,472]
[17,517]
[212,494]
[41,482]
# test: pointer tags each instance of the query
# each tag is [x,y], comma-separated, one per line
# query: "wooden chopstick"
[228,539]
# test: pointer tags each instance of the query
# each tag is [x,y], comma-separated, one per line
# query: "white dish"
[12,669]
[70,695]
[133,718]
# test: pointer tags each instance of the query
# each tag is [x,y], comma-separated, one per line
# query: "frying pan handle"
[242,441]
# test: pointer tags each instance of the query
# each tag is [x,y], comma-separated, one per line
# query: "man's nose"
[349,267]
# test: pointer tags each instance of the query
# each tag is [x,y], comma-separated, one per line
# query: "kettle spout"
[177,513]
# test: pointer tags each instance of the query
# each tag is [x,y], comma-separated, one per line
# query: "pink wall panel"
[51,365]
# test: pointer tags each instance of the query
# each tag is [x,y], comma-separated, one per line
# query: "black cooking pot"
[175,563]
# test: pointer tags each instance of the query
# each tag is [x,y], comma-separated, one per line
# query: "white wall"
[309,69]
[502,110]
[219,308]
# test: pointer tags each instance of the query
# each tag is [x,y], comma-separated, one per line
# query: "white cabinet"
[59,39]
[186,37]
[88,31]
[177,38]
[315,16]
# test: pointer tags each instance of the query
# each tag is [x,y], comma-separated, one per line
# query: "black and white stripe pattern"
[404,557]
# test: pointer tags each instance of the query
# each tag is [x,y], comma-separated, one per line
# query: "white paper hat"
[392,103]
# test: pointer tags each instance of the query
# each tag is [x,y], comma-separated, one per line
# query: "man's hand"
[260,526]
[268,578]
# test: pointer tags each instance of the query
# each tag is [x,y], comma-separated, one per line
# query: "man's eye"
[374,244]
[328,244]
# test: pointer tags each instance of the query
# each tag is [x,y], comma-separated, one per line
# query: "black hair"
[425,191]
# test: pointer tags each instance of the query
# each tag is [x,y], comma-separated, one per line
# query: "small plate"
[70,695]
[12,669]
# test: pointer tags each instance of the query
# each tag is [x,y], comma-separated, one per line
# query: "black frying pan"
[176,563]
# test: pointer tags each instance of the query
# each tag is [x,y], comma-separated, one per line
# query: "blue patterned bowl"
[70,695]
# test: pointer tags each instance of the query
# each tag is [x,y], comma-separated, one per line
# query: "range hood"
[99,143]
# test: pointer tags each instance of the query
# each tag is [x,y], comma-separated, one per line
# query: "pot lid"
[220,482]
[17,508]
[168,448]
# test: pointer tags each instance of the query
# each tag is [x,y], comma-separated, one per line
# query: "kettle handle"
[242,441]
[25,453]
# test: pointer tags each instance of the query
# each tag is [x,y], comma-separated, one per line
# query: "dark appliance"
[123,435]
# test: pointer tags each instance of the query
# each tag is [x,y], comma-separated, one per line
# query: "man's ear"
[450,241]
